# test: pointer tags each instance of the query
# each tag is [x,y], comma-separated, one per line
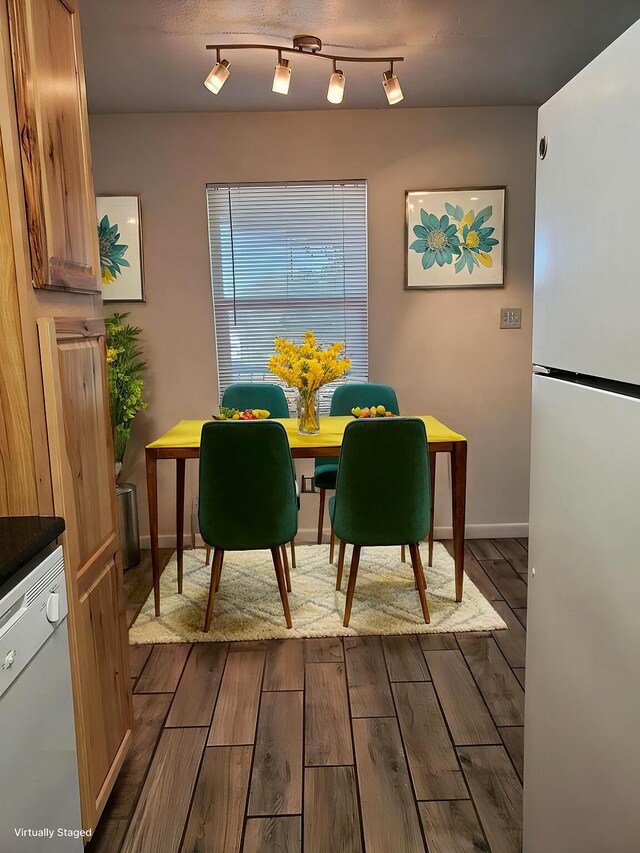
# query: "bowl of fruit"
[371,412]
[227,414]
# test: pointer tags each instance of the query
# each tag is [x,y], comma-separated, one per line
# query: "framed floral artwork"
[120,239]
[455,238]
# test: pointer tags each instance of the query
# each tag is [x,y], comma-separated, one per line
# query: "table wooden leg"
[458,499]
[152,500]
[180,466]
[323,494]
[432,481]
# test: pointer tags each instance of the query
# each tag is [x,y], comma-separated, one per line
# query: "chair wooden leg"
[285,563]
[419,576]
[219,572]
[355,560]
[403,553]
[341,550]
[421,567]
[217,560]
[277,564]
[332,545]
[432,481]
[323,495]
[207,555]
[293,554]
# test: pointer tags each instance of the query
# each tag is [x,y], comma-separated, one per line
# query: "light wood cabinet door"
[54,142]
[73,357]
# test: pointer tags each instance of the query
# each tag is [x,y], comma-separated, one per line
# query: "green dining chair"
[382,494]
[259,395]
[247,496]
[345,398]
[256,395]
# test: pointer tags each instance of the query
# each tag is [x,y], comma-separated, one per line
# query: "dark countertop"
[22,538]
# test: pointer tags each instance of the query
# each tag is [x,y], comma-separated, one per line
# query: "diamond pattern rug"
[248,606]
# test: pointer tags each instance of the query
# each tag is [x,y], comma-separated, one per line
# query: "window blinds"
[286,258]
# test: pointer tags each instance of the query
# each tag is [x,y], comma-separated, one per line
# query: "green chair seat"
[325,474]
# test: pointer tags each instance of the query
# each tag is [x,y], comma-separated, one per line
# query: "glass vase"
[308,413]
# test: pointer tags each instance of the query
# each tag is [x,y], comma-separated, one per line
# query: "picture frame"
[119,223]
[471,254]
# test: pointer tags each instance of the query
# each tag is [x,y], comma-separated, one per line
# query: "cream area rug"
[248,607]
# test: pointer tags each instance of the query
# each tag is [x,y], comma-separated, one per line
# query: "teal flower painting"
[437,241]
[111,252]
[456,236]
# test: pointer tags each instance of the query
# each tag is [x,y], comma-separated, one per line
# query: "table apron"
[296,452]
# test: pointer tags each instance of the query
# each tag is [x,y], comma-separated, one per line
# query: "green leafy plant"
[124,369]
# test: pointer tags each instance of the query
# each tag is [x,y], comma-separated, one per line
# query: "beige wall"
[442,350]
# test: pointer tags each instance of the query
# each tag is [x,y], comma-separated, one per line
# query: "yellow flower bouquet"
[307,367]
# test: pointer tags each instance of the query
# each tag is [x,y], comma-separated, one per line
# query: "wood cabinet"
[56,451]
[54,143]
[79,428]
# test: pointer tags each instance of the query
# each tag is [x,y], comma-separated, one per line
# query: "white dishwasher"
[40,801]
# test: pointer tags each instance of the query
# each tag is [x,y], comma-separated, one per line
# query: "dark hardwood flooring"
[354,745]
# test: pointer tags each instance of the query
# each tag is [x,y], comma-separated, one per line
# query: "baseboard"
[486,531]
[307,535]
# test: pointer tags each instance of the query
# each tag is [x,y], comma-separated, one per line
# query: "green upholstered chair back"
[257,395]
[352,394]
[247,486]
[382,491]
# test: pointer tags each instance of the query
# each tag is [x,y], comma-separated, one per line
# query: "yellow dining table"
[182,442]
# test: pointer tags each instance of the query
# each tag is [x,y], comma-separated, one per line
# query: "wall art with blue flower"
[120,241]
[455,238]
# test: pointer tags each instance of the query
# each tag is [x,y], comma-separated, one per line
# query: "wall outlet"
[511,318]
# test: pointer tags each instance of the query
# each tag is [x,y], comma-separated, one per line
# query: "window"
[286,258]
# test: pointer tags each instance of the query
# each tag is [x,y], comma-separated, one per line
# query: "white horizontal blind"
[286,258]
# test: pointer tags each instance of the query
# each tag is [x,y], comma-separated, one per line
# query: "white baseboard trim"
[307,535]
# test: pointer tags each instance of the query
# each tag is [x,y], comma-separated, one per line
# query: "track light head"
[217,76]
[391,86]
[336,86]
[281,77]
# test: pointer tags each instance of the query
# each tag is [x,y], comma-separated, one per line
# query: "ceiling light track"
[305,46]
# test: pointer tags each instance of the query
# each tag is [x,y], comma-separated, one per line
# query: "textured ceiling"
[149,55]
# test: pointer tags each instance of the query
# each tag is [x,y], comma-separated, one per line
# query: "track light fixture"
[336,86]
[217,75]
[306,46]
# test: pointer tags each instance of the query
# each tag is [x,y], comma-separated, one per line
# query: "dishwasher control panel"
[30,612]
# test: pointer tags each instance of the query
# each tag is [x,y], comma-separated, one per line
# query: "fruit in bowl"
[371,412]
[227,414]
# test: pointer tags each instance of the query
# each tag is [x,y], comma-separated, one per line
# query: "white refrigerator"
[582,718]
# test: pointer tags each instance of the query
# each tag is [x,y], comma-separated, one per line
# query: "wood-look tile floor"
[376,744]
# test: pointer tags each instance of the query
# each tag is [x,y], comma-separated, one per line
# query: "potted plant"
[124,371]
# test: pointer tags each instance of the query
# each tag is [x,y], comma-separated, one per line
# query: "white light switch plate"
[511,318]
